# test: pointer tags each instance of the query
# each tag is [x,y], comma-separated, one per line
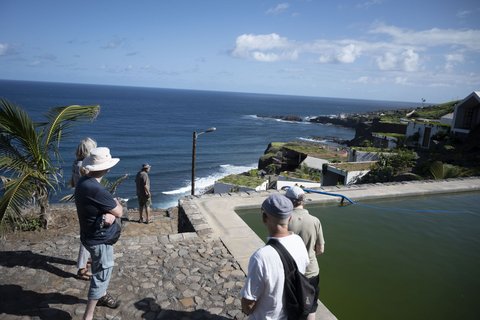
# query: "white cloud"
[368,4]
[348,54]
[344,51]
[117,69]
[362,79]
[265,48]
[281,7]
[463,13]
[265,57]
[388,61]
[34,63]
[114,44]
[47,57]
[469,39]
[410,60]
[325,59]
[392,49]
[3,49]
[452,60]
[272,57]
[6,49]
[401,80]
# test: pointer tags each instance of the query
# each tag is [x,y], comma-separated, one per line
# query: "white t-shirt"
[266,277]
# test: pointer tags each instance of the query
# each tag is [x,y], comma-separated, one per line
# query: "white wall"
[220,187]
[414,127]
[291,183]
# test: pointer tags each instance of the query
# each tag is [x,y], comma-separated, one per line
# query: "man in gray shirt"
[142,182]
[310,230]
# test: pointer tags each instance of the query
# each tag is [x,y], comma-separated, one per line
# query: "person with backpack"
[310,230]
[263,291]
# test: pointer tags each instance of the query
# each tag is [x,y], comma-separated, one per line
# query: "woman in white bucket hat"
[97,210]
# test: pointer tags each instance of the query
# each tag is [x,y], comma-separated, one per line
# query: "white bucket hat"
[99,160]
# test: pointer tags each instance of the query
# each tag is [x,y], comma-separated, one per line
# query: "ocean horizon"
[155,126]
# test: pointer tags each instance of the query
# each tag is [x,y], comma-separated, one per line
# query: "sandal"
[108,301]
[83,274]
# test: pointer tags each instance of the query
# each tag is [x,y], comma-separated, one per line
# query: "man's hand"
[108,219]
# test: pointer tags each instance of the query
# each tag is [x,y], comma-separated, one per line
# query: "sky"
[400,50]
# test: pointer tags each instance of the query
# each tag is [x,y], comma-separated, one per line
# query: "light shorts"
[102,266]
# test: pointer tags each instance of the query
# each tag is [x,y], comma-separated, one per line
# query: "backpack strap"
[287,259]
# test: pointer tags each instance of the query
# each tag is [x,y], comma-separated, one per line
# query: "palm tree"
[29,155]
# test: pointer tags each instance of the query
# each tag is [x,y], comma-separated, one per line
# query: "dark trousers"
[315,281]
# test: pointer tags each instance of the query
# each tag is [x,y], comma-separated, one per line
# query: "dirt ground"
[65,222]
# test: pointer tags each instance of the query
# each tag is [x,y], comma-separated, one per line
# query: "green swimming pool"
[403,258]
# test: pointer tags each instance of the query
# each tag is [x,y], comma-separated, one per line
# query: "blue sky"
[367,49]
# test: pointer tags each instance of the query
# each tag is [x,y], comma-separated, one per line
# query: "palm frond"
[29,153]
[7,149]
[451,171]
[18,129]
[112,186]
[18,193]
[62,118]
[68,198]
[437,170]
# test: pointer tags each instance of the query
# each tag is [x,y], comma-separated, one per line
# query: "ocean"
[155,126]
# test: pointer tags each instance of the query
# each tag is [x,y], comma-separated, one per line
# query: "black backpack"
[299,293]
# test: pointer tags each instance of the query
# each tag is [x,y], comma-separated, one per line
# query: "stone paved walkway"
[159,274]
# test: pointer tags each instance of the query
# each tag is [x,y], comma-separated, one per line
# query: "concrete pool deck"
[215,216]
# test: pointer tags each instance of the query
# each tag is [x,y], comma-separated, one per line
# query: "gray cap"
[278,206]
[294,193]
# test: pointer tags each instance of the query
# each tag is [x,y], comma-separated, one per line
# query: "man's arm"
[248,306]
[147,191]
[319,248]
[320,243]
[116,212]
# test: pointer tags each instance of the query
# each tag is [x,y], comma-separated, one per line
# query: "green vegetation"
[437,111]
[248,179]
[432,112]
[29,155]
[316,150]
[370,149]
[304,172]
[390,167]
[392,135]
[440,170]
[273,149]
[354,166]
[27,223]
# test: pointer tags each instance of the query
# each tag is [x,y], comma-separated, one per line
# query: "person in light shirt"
[310,230]
[262,293]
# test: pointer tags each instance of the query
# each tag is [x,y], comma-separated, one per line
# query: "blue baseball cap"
[278,206]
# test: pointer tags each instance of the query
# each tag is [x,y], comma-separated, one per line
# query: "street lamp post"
[194,150]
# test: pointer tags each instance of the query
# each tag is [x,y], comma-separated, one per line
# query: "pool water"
[403,258]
